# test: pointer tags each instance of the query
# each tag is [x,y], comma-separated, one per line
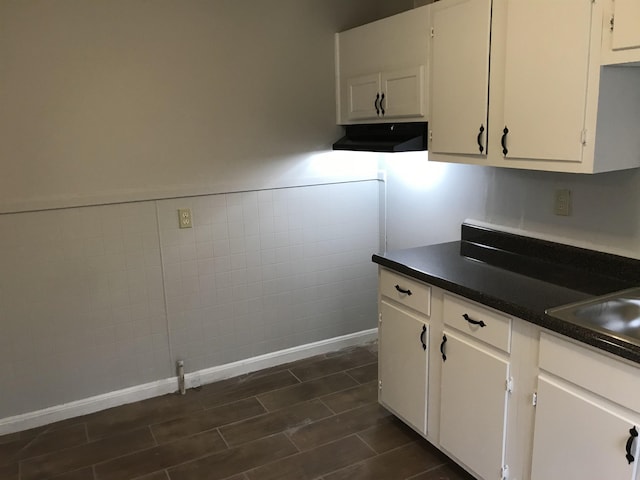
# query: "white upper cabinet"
[621,39]
[546,68]
[381,69]
[459,98]
[551,106]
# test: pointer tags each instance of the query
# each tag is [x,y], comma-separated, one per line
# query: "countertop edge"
[601,341]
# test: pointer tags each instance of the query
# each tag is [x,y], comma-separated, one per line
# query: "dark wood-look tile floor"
[317,418]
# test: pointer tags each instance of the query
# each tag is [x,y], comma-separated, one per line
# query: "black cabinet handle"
[424,331]
[474,322]
[444,340]
[480,147]
[382,104]
[375,104]
[401,290]
[633,434]
[503,141]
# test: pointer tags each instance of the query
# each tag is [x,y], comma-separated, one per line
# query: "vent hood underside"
[384,137]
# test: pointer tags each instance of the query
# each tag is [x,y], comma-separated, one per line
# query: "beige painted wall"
[116,100]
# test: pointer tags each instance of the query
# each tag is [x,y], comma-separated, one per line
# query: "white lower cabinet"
[474,386]
[473,405]
[586,420]
[404,364]
[577,436]
[505,399]
[403,357]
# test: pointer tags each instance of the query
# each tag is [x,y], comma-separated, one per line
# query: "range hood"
[384,137]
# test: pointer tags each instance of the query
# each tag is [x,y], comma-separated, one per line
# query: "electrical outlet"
[185,219]
[563,202]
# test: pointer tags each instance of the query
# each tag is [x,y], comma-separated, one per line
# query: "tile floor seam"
[327,474]
[350,434]
[357,385]
[86,432]
[222,437]
[330,409]
[367,444]
[262,404]
[228,449]
[430,469]
[155,441]
[138,477]
[136,452]
[295,376]
[299,452]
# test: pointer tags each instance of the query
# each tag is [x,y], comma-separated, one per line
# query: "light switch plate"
[185,219]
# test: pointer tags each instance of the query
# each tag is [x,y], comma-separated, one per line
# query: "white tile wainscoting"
[99,299]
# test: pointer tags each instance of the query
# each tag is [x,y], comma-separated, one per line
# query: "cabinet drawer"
[406,291]
[479,322]
[598,373]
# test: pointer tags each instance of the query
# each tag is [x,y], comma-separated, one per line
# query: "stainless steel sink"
[616,314]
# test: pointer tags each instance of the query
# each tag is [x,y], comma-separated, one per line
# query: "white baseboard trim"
[116,398]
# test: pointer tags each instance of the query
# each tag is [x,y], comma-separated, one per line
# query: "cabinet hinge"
[583,136]
[433,32]
[380,318]
[379,384]
[611,23]
[430,136]
[504,471]
[509,385]
[534,399]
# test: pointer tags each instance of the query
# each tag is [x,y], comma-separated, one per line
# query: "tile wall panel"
[96,299]
[263,271]
[81,303]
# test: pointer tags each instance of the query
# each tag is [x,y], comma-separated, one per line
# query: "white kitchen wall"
[427,201]
[605,214]
[109,106]
[108,101]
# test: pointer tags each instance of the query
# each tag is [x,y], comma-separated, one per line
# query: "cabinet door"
[363,96]
[473,405]
[545,79]
[403,92]
[626,31]
[459,76]
[403,364]
[576,437]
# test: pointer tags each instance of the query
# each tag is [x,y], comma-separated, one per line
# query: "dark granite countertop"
[522,277]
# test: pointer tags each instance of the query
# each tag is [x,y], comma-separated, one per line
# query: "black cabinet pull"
[401,290]
[474,322]
[424,331]
[633,434]
[375,104]
[444,340]
[503,141]
[382,104]
[480,147]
